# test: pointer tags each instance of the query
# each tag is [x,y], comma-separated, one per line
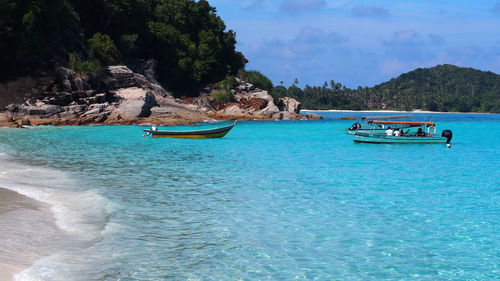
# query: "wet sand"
[27,226]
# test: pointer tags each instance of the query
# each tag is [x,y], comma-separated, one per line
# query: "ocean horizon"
[273,200]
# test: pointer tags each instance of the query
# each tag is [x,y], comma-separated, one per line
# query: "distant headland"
[443,88]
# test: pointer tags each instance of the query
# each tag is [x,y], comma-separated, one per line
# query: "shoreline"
[43,224]
[21,219]
[393,111]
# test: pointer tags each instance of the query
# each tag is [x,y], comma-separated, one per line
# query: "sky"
[361,43]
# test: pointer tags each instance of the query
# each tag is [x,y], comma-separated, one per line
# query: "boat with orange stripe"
[398,132]
[218,132]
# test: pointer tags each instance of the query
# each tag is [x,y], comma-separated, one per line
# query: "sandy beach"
[27,225]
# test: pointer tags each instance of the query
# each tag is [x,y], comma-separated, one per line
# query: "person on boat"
[355,126]
[420,133]
[397,133]
[389,132]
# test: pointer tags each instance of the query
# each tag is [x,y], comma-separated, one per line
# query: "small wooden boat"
[218,132]
[408,132]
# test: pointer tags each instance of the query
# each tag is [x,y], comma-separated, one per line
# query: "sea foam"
[82,216]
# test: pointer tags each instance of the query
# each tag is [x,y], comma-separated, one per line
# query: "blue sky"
[362,43]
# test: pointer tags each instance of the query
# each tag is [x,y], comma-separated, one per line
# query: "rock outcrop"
[123,96]
[313,116]
[289,105]
[135,102]
[254,103]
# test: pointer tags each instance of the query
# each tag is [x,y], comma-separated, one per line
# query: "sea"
[273,200]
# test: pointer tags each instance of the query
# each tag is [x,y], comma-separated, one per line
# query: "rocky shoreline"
[125,97]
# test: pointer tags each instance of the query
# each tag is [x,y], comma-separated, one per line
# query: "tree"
[103,48]
[35,32]
[256,78]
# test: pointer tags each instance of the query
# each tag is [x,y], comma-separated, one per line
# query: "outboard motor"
[447,134]
[355,127]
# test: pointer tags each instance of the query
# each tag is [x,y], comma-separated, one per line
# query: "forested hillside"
[440,88]
[186,38]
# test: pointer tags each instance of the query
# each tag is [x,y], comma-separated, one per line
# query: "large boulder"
[135,102]
[120,76]
[38,109]
[96,113]
[253,103]
[75,109]
[171,108]
[97,98]
[94,118]
[244,86]
[62,73]
[92,111]
[289,105]
[58,98]
[78,84]
[270,110]
[157,89]
[255,94]
[206,103]
[234,111]
[258,98]
[119,71]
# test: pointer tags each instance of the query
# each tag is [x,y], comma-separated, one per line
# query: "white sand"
[24,223]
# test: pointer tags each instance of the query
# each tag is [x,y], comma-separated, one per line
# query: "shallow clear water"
[288,200]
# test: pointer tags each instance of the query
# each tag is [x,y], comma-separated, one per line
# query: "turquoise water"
[287,200]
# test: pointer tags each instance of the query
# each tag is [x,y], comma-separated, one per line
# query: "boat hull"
[373,138]
[198,134]
[191,136]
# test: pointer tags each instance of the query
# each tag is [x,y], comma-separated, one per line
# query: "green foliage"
[186,37]
[103,48]
[228,84]
[36,31]
[223,96]
[440,88]
[128,44]
[89,69]
[257,79]
[280,91]
[191,44]
[276,96]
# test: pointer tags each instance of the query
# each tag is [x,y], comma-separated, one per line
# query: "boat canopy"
[402,123]
[385,117]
